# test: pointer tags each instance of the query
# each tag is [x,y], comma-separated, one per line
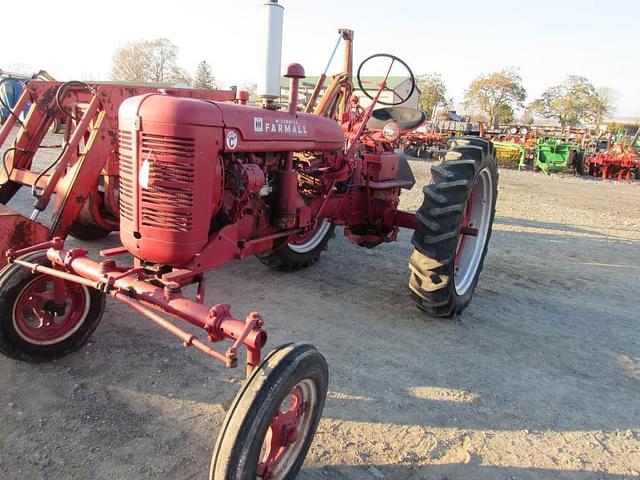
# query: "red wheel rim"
[465,229]
[287,431]
[33,318]
[474,232]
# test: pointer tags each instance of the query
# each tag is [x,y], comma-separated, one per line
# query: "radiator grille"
[168,202]
[125,151]
[174,147]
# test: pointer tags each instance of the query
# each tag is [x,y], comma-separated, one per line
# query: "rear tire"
[578,163]
[28,329]
[461,199]
[271,423]
[295,255]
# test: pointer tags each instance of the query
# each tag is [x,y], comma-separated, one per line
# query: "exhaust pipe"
[269,86]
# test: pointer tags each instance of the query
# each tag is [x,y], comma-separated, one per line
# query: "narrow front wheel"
[273,419]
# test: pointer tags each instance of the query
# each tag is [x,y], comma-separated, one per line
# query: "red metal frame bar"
[406,219]
[130,287]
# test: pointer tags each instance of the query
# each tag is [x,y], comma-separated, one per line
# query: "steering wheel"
[393,59]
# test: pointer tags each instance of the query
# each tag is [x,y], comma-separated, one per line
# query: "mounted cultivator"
[423,143]
[194,181]
[430,140]
[620,162]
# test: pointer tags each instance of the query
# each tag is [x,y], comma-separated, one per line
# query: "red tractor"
[203,183]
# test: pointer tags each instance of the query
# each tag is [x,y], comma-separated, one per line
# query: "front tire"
[273,418]
[32,327]
[454,227]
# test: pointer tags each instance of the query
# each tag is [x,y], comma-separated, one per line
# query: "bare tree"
[604,103]
[148,61]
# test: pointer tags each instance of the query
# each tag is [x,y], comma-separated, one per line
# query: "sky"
[545,40]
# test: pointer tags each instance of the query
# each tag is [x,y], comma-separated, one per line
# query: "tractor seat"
[406,118]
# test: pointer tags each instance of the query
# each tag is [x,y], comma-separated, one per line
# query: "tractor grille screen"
[127,183]
[166,194]
[168,201]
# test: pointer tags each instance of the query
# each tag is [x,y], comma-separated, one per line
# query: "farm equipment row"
[544,152]
[193,180]
[430,139]
[607,156]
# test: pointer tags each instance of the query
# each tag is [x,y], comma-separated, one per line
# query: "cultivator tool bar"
[423,143]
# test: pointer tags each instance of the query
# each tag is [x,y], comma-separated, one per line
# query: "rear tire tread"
[436,236]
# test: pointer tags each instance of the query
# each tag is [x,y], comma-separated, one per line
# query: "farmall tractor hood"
[255,129]
[169,109]
[246,129]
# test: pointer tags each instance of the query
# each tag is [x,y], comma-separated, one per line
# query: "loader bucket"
[17,231]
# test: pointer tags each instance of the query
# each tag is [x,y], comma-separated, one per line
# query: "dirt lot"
[540,378]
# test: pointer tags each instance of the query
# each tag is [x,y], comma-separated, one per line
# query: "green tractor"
[555,154]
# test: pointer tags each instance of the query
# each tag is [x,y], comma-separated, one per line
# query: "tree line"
[156,61]
[497,95]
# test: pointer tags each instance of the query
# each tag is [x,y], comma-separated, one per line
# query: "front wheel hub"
[41,320]
[56,309]
[290,424]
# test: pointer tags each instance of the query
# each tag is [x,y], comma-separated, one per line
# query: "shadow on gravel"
[450,471]
[561,227]
[548,343]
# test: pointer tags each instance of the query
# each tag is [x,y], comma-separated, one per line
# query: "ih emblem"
[258,125]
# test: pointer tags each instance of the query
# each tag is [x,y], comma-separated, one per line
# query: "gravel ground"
[539,378]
